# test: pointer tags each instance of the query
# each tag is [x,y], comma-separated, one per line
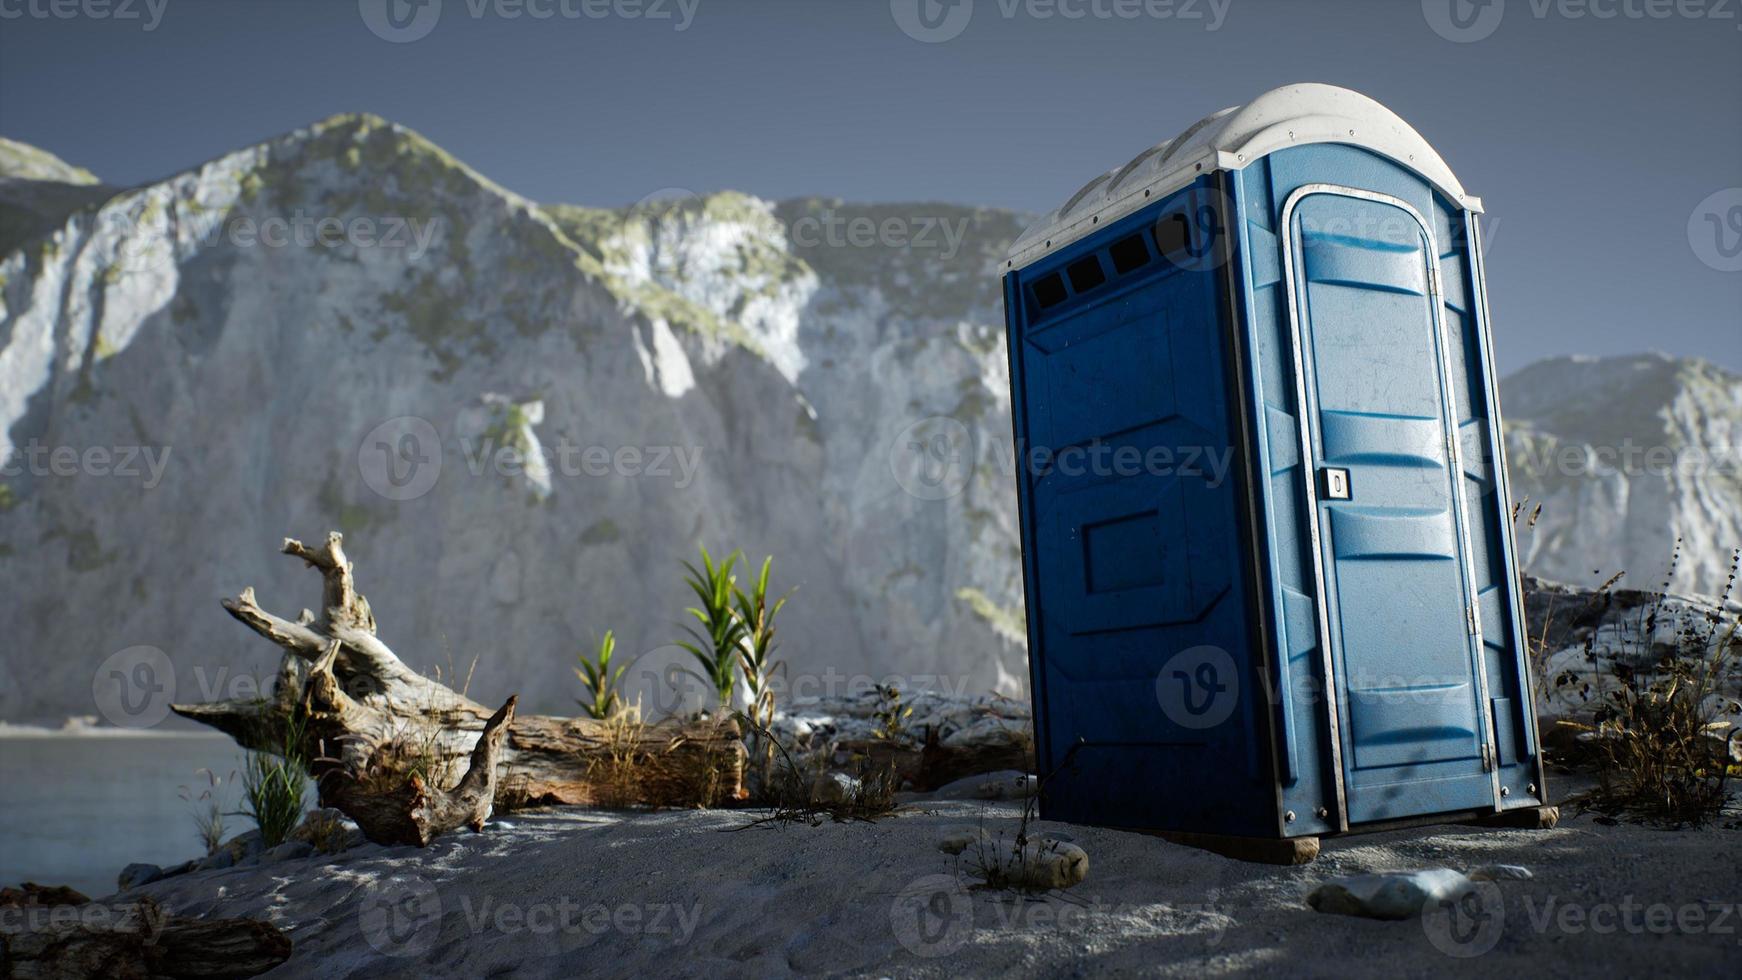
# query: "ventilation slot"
[1128,254]
[1173,235]
[1049,290]
[1085,274]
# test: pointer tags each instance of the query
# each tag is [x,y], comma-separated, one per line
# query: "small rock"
[290,850]
[137,874]
[1501,872]
[957,843]
[326,828]
[1400,895]
[1039,866]
[835,787]
[220,858]
[240,848]
[1009,784]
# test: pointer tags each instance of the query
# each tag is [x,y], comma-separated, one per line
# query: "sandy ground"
[567,892]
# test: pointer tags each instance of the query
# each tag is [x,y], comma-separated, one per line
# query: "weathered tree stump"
[135,939]
[386,742]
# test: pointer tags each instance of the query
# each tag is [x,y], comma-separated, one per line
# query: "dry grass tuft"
[1661,735]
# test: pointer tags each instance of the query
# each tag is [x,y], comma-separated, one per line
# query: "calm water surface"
[76,809]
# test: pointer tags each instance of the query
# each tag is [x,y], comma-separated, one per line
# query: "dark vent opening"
[1086,274]
[1173,235]
[1049,290]
[1128,254]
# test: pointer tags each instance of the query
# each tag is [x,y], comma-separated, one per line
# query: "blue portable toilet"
[1267,548]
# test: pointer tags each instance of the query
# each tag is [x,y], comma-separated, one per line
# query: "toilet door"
[1395,589]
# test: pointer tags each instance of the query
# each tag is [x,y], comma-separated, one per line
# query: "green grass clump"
[275,784]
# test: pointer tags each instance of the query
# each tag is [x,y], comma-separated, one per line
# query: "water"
[76,809]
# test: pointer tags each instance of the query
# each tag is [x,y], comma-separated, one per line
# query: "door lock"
[1336,483]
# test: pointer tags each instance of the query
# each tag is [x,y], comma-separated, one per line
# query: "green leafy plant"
[208,809]
[274,784]
[756,655]
[716,643]
[604,698]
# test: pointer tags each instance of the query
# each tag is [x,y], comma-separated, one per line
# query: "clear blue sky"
[1592,140]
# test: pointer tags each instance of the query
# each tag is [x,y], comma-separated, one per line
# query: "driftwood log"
[136,939]
[387,744]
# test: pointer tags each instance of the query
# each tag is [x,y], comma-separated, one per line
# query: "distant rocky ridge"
[714,369]
[1625,455]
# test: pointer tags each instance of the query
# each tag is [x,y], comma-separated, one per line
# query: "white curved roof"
[1230,139]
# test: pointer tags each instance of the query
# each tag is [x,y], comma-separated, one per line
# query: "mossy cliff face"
[601,389]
